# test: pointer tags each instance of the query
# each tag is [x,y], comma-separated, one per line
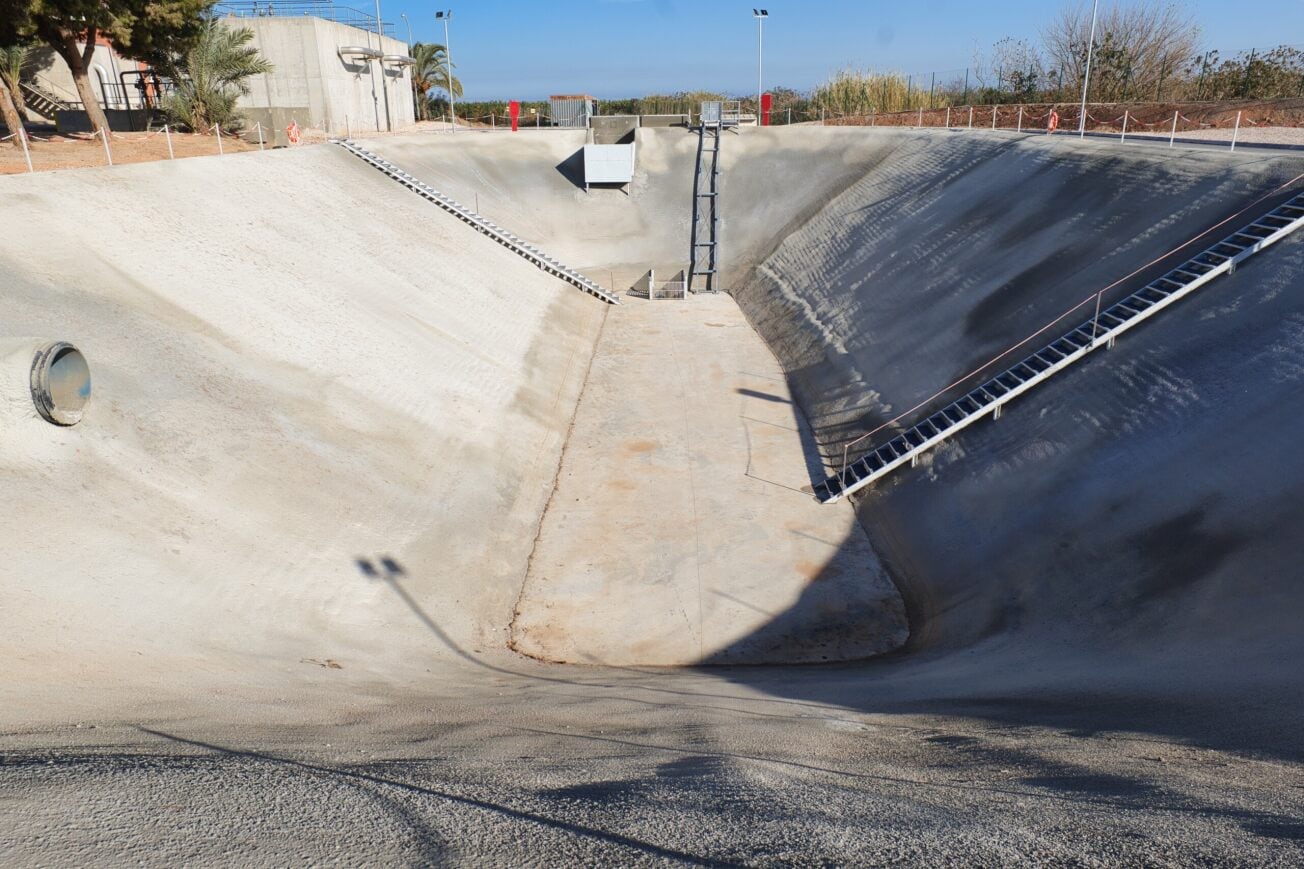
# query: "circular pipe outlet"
[61,382]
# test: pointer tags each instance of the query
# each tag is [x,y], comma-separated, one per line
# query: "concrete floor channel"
[381,539]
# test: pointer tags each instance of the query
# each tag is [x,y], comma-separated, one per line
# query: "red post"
[514,108]
[767,102]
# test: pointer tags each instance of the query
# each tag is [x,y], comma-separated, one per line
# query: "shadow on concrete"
[763,396]
[572,169]
[1117,553]
[432,845]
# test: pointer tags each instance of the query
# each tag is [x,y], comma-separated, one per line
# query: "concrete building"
[328,75]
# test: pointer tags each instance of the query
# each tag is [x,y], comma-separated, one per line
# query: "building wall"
[310,76]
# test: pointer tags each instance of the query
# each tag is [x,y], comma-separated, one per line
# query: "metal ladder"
[481,224]
[1101,330]
[706,207]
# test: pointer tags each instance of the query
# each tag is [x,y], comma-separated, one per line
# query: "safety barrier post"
[1020,128]
[1095,321]
[948,117]
[108,155]
[995,109]
[259,128]
[1172,137]
[348,134]
[218,127]
[971,117]
[1236,132]
[167,134]
[22,137]
[921,117]
[1123,138]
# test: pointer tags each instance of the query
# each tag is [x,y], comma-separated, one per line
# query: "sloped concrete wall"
[326,420]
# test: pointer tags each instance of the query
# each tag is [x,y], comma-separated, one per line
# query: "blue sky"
[526,49]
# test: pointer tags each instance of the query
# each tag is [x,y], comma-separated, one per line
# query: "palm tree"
[211,76]
[431,73]
[13,63]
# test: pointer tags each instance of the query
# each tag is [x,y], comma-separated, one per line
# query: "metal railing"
[324,9]
[888,447]
[481,224]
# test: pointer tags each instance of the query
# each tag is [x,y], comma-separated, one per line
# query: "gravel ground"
[641,771]
[1247,136]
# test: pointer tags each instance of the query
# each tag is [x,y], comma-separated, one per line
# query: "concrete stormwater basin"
[341,462]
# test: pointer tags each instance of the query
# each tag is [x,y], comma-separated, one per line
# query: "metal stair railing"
[481,224]
[43,103]
[1102,330]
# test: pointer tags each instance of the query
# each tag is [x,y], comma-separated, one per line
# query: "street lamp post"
[415,107]
[1086,78]
[760,15]
[384,90]
[448,61]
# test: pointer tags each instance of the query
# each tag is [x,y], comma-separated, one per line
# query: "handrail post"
[1173,136]
[22,137]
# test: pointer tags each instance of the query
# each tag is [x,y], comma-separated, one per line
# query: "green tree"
[430,72]
[211,76]
[147,30]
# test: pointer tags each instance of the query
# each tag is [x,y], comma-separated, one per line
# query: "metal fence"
[1210,74]
[326,9]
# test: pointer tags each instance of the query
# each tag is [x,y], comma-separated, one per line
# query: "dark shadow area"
[763,396]
[1115,554]
[1024,264]
[572,169]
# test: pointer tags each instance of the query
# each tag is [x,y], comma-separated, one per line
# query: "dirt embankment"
[80,151]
